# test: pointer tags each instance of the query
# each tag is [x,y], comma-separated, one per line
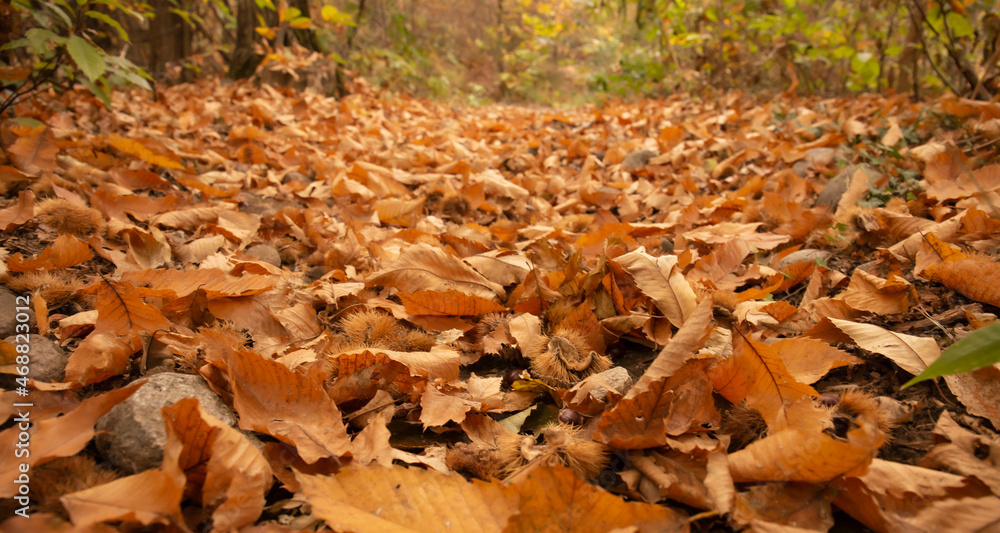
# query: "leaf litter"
[675,315]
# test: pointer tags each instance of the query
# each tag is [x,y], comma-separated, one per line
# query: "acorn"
[564,358]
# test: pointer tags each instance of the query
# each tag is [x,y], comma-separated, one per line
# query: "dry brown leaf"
[371,445]
[808,450]
[799,505]
[977,277]
[220,464]
[956,449]
[65,252]
[437,409]
[144,149]
[377,499]
[661,280]
[292,407]
[423,267]
[871,293]
[553,499]
[688,340]
[19,213]
[35,150]
[756,374]
[56,437]
[150,497]
[911,353]
[448,303]
[808,360]
[668,406]
[891,497]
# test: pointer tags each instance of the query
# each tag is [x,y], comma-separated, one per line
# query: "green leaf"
[18,43]
[959,25]
[110,22]
[41,40]
[98,91]
[979,349]
[89,58]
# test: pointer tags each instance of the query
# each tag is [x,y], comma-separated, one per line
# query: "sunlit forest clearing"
[509,265]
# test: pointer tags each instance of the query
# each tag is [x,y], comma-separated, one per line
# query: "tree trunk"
[244,61]
[169,40]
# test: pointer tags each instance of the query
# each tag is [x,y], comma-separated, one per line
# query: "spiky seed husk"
[564,358]
[54,287]
[558,444]
[63,216]
[372,329]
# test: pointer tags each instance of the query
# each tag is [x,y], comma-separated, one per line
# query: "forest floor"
[676,315]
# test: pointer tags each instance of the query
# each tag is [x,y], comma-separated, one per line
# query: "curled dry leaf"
[61,436]
[292,407]
[811,449]
[150,497]
[65,252]
[899,497]
[661,280]
[669,406]
[221,465]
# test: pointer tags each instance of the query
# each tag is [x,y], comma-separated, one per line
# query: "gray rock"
[265,253]
[837,186]
[257,205]
[798,256]
[637,159]
[619,380]
[297,176]
[132,434]
[47,361]
[8,316]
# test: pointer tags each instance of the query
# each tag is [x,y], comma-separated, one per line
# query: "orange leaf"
[36,151]
[977,278]
[290,406]
[447,303]
[19,213]
[756,373]
[377,499]
[138,148]
[61,436]
[808,360]
[153,496]
[808,452]
[669,406]
[553,499]
[65,252]
[423,267]
[220,464]
[121,310]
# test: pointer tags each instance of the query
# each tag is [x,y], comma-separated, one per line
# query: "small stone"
[619,380]
[265,253]
[800,256]
[8,315]
[132,434]
[297,176]
[637,159]
[47,360]
[837,186]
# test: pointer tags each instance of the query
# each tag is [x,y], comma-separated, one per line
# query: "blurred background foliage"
[555,52]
